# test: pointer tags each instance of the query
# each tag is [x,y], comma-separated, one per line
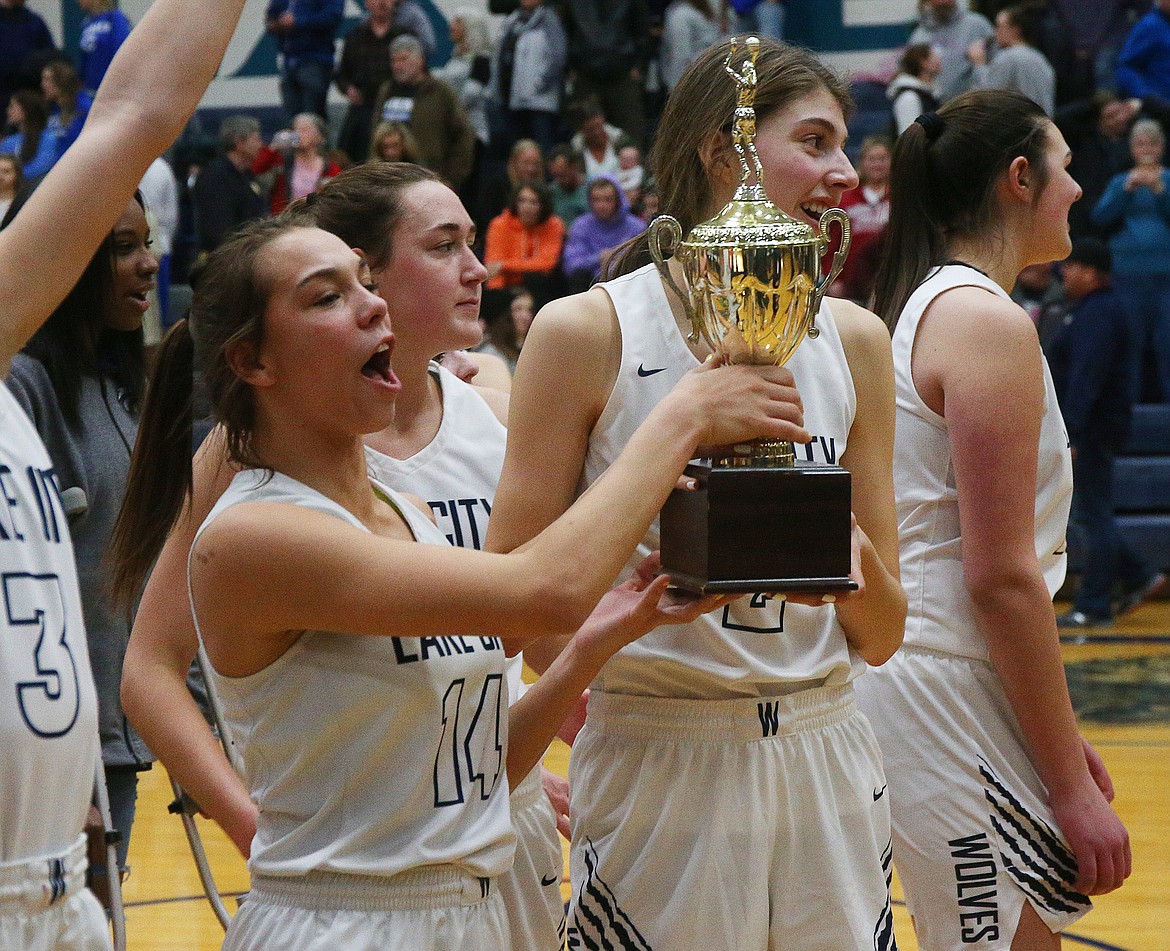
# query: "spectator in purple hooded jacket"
[593,235]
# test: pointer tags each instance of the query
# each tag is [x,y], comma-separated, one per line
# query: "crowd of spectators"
[540,118]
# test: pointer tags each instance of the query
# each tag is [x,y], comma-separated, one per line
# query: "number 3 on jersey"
[47,691]
[474,754]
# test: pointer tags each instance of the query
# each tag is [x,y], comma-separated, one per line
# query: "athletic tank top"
[456,473]
[940,612]
[755,646]
[371,755]
[48,707]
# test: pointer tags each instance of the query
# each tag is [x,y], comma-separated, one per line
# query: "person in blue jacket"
[1135,212]
[1091,370]
[103,30]
[1143,67]
[30,143]
[304,30]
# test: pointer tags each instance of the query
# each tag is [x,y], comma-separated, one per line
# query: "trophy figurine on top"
[758,519]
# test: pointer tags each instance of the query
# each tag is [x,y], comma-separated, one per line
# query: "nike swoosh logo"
[642,371]
[878,793]
[551,880]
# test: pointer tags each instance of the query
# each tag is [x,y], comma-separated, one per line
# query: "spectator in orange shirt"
[524,242]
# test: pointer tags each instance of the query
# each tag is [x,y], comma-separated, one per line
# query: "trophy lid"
[750,219]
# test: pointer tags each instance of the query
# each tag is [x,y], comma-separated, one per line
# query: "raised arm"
[147,96]
[980,357]
[875,619]
[154,678]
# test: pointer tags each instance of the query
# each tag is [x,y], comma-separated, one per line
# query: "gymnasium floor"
[1120,680]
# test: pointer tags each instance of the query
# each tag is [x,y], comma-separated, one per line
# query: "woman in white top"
[1002,822]
[48,710]
[669,828]
[446,444]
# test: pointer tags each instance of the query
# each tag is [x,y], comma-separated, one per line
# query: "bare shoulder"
[275,533]
[573,350]
[973,314]
[492,372]
[864,335]
[497,401]
[977,351]
[581,320]
[852,318]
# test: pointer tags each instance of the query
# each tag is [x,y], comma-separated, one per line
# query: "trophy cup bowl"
[758,519]
[753,296]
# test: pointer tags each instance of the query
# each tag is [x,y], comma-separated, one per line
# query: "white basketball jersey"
[48,707]
[371,755]
[456,473]
[941,614]
[755,646]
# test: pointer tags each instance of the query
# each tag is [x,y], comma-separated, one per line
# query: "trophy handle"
[666,229]
[842,219]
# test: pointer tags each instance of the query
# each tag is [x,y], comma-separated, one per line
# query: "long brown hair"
[229,299]
[75,341]
[702,105]
[36,118]
[942,183]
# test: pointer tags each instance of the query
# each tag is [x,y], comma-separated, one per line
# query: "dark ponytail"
[159,482]
[229,299]
[943,181]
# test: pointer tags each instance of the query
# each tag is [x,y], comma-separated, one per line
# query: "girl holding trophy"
[724,773]
[989,778]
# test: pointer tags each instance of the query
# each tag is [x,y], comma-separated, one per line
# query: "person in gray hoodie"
[951,31]
[528,72]
[1017,63]
[80,380]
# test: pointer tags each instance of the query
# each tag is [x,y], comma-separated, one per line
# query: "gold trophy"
[758,520]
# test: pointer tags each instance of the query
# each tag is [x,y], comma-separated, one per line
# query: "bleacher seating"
[1141,489]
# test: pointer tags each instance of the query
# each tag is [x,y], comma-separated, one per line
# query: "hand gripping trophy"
[759,520]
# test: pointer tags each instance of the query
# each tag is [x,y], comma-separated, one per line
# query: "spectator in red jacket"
[868,206]
[297,153]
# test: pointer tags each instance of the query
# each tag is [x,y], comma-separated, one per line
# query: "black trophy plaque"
[753,528]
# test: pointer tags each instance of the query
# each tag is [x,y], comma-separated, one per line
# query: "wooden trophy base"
[748,529]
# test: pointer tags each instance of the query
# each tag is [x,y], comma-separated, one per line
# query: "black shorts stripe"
[598,920]
[883,933]
[1052,841]
[1032,852]
[1034,878]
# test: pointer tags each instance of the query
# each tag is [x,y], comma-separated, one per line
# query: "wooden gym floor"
[1120,680]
